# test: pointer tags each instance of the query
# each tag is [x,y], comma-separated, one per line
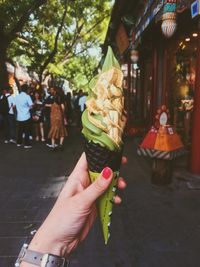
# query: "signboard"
[195,9]
[169,7]
[170,1]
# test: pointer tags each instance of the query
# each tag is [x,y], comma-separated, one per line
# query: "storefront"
[168,70]
[182,73]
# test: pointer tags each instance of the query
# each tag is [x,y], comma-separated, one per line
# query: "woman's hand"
[74,211]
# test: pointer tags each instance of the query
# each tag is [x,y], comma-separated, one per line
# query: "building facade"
[158,44]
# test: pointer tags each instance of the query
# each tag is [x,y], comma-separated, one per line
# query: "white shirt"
[23,104]
[81,102]
[11,104]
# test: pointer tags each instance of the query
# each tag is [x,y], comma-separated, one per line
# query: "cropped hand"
[74,211]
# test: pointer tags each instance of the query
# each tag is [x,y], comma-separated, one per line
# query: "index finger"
[82,163]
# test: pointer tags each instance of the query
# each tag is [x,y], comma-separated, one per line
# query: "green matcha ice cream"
[103,124]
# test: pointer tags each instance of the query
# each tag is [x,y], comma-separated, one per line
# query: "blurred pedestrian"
[4,111]
[47,111]
[75,107]
[57,130]
[12,117]
[24,104]
[38,116]
[68,108]
[81,104]
[30,91]
[81,101]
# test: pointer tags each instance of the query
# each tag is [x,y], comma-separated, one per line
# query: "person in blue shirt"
[23,104]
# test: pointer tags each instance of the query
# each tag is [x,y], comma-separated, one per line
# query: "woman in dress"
[38,117]
[57,130]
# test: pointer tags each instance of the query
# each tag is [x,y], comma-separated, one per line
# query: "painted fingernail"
[106,173]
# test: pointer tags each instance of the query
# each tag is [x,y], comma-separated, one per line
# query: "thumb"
[98,187]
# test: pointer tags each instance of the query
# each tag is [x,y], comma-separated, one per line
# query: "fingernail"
[106,173]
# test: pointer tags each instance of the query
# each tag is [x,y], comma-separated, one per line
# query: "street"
[153,227]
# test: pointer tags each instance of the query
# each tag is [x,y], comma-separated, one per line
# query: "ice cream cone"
[98,158]
[103,125]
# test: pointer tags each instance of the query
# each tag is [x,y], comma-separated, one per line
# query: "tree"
[61,34]
[13,17]
[80,70]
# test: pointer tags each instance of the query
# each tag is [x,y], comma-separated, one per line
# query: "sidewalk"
[154,226]
[30,181]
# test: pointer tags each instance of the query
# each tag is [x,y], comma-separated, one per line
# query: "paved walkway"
[154,226]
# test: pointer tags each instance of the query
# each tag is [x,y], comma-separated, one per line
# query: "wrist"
[26,264]
[44,243]
[29,258]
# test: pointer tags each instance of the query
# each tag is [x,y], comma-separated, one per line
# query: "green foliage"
[85,26]
[11,11]
[79,70]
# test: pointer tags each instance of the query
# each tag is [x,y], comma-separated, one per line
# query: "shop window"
[184,85]
[148,85]
[135,93]
[125,84]
[160,68]
[132,92]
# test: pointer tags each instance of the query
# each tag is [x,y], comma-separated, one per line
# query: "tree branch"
[74,41]
[77,36]
[80,52]
[95,25]
[25,42]
[77,32]
[88,72]
[54,51]
[24,18]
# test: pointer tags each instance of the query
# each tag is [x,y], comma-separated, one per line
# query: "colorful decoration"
[169,28]
[169,24]
[157,154]
[162,116]
[134,55]
[170,2]
[167,139]
[161,141]
[169,8]
[150,139]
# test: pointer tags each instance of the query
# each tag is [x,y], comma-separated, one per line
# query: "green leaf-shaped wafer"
[110,61]
[105,204]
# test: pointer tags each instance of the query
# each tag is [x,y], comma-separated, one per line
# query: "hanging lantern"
[134,56]
[169,27]
[169,24]
[133,52]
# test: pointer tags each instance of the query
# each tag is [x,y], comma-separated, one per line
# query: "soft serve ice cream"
[103,125]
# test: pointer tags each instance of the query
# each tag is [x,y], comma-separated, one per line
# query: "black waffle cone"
[99,157]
